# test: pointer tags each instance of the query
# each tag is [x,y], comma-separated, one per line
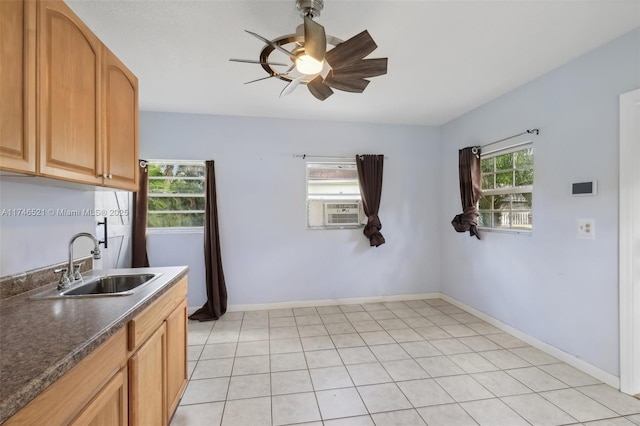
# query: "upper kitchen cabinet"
[120,125]
[69,104]
[17,86]
[81,124]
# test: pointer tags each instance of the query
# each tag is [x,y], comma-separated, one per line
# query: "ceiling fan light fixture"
[343,67]
[307,65]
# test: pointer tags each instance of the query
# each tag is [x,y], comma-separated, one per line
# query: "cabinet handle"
[107,176]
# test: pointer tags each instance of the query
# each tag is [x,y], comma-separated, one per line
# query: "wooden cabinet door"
[17,86]
[147,382]
[69,103]
[120,124]
[109,406]
[176,356]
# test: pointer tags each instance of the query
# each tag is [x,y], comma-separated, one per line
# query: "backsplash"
[12,285]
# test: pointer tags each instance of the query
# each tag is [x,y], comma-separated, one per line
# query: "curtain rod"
[528,131]
[304,156]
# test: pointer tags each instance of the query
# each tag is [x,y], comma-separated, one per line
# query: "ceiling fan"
[343,67]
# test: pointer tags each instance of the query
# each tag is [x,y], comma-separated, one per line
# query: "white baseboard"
[326,302]
[573,361]
[331,302]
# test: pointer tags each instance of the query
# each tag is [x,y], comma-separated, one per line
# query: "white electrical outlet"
[586,228]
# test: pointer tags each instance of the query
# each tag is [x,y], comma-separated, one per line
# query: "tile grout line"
[395,341]
[233,364]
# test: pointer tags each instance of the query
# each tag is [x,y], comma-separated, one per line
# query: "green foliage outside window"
[176,195]
[507,184]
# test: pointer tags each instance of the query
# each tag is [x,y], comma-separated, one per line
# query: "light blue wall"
[551,285]
[29,242]
[267,252]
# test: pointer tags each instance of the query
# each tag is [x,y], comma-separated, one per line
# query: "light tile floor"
[419,362]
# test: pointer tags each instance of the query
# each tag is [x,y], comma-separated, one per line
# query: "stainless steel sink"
[110,284]
[101,286]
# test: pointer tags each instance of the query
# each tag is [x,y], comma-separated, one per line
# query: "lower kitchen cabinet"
[147,381]
[176,356]
[158,371]
[109,406]
[92,392]
[158,361]
[137,377]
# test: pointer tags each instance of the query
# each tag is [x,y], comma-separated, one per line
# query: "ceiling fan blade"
[351,51]
[319,89]
[272,44]
[289,88]
[260,79]
[264,78]
[315,39]
[364,68]
[346,83]
[251,61]
[277,74]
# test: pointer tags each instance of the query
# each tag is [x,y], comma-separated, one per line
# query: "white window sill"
[323,228]
[506,231]
[184,230]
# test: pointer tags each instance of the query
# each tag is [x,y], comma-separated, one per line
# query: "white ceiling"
[445,57]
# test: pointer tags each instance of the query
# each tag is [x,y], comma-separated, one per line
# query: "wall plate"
[586,229]
[584,188]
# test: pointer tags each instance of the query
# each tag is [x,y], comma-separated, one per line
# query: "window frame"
[356,197]
[175,229]
[508,147]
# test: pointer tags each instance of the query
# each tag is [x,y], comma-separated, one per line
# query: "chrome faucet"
[72,273]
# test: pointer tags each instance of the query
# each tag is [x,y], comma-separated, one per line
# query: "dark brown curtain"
[216,304]
[139,258]
[470,191]
[370,179]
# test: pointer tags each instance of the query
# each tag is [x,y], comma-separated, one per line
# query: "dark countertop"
[40,340]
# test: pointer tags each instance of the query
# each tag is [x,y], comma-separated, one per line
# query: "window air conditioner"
[341,214]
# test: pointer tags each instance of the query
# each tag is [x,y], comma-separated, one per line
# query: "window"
[507,186]
[176,194]
[333,196]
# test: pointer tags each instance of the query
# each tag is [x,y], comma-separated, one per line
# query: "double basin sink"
[100,286]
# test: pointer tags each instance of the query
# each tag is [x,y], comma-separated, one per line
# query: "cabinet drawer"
[145,324]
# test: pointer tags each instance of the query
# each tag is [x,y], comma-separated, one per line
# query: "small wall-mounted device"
[584,188]
[586,229]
